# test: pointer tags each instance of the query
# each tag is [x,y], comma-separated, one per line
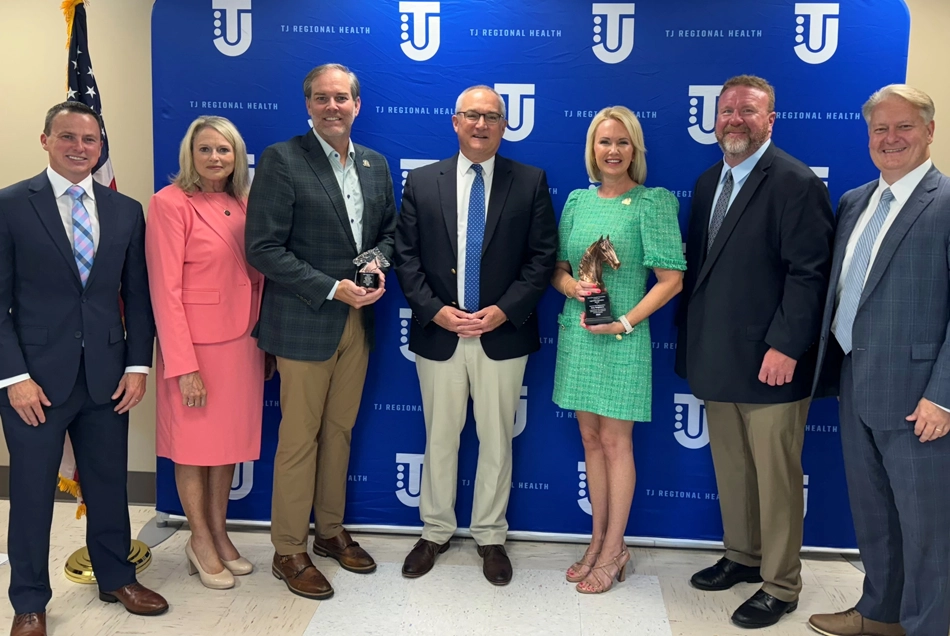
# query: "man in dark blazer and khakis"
[475,248]
[317,202]
[758,251]
[885,350]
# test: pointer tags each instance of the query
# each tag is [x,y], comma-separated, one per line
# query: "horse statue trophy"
[591,270]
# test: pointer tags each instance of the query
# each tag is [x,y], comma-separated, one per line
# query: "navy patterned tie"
[719,213]
[473,239]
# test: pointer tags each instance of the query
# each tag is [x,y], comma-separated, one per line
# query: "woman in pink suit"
[210,373]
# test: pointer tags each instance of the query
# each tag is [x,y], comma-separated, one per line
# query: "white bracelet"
[627,327]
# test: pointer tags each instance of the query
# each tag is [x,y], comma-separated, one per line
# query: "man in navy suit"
[885,351]
[69,248]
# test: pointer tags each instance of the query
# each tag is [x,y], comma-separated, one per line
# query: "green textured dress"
[598,373]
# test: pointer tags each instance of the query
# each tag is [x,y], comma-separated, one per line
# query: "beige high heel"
[579,571]
[239,566]
[595,581]
[223,580]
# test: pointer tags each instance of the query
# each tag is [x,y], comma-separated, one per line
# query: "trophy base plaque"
[369,280]
[597,309]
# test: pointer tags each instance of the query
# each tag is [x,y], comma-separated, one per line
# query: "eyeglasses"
[473,116]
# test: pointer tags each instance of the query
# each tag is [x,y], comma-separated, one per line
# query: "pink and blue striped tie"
[83,247]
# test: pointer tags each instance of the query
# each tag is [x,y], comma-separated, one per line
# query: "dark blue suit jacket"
[47,318]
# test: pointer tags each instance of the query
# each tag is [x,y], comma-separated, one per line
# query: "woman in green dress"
[604,371]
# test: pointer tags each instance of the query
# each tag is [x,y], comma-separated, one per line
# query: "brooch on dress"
[626,201]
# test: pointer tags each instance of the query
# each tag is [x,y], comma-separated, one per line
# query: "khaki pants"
[757,452]
[495,388]
[319,402]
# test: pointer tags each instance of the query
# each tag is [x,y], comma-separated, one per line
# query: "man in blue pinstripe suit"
[885,351]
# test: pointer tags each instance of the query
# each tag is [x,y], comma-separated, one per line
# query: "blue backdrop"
[556,62]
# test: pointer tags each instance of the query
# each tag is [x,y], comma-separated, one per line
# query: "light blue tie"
[473,239]
[854,282]
[84,248]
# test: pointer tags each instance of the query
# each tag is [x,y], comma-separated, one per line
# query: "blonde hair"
[187,178]
[917,98]
[638,166]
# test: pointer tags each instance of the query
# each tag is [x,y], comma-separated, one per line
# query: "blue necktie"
[854,282]
[83,246]
[719,213]
[473,239]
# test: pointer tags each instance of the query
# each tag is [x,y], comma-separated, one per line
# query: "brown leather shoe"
[851,623]
[138,599]
[496,566]
[348,552]
[33,624]
[422,557]
[300,575]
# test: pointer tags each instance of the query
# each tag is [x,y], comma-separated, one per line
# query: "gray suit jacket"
[900,340]
[298,235]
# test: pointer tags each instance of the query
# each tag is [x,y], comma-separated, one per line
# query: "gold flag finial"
[69,11]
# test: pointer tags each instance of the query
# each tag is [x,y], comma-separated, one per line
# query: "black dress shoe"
[762,610]
[422,557]
[724,575]
[496,566]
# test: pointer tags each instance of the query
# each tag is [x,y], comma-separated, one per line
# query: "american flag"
[81,82]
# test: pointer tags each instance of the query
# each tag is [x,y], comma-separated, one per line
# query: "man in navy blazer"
[885,351]
[69,248]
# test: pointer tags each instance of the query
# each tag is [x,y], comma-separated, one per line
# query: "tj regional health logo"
[821,172]
[405,315]
[521,415]
[694,433]
[584,500]
[408,478]
[235,39]
[421,39]
[242,482]
[702,112]
[615,45]
[407,165]
[822,40]
[520,107]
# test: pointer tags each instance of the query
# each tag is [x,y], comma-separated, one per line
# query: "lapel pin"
[366,163]
[626,201]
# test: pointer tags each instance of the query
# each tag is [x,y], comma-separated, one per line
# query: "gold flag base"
[79,566]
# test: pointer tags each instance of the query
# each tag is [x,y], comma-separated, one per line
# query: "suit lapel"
[215,219]
[846,222]
[501,184]
[363,169]
[320,164]
[448,196]
[735,212]
[920,198]
[44,202]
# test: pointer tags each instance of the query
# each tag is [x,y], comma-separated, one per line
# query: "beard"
[743,145]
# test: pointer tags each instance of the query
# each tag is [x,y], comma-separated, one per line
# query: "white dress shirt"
[901,189]
[740,174]
[347,177]
[64,203]
[465,180]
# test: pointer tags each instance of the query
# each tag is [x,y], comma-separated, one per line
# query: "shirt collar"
[740,172]
[905,186]
[328,149]
[488,166]
[61,184]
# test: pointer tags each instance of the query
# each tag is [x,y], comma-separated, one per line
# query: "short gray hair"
[323,68]
[481,87]
[917,98]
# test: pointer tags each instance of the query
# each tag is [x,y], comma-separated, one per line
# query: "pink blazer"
[200,282]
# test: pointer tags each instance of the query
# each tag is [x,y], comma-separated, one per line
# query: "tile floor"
[454,599]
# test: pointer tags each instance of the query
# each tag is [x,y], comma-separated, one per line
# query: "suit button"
[453,270]
[84,300]
[78,335]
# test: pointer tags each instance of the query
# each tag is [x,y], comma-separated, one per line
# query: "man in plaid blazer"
[885,350]
[317,202]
